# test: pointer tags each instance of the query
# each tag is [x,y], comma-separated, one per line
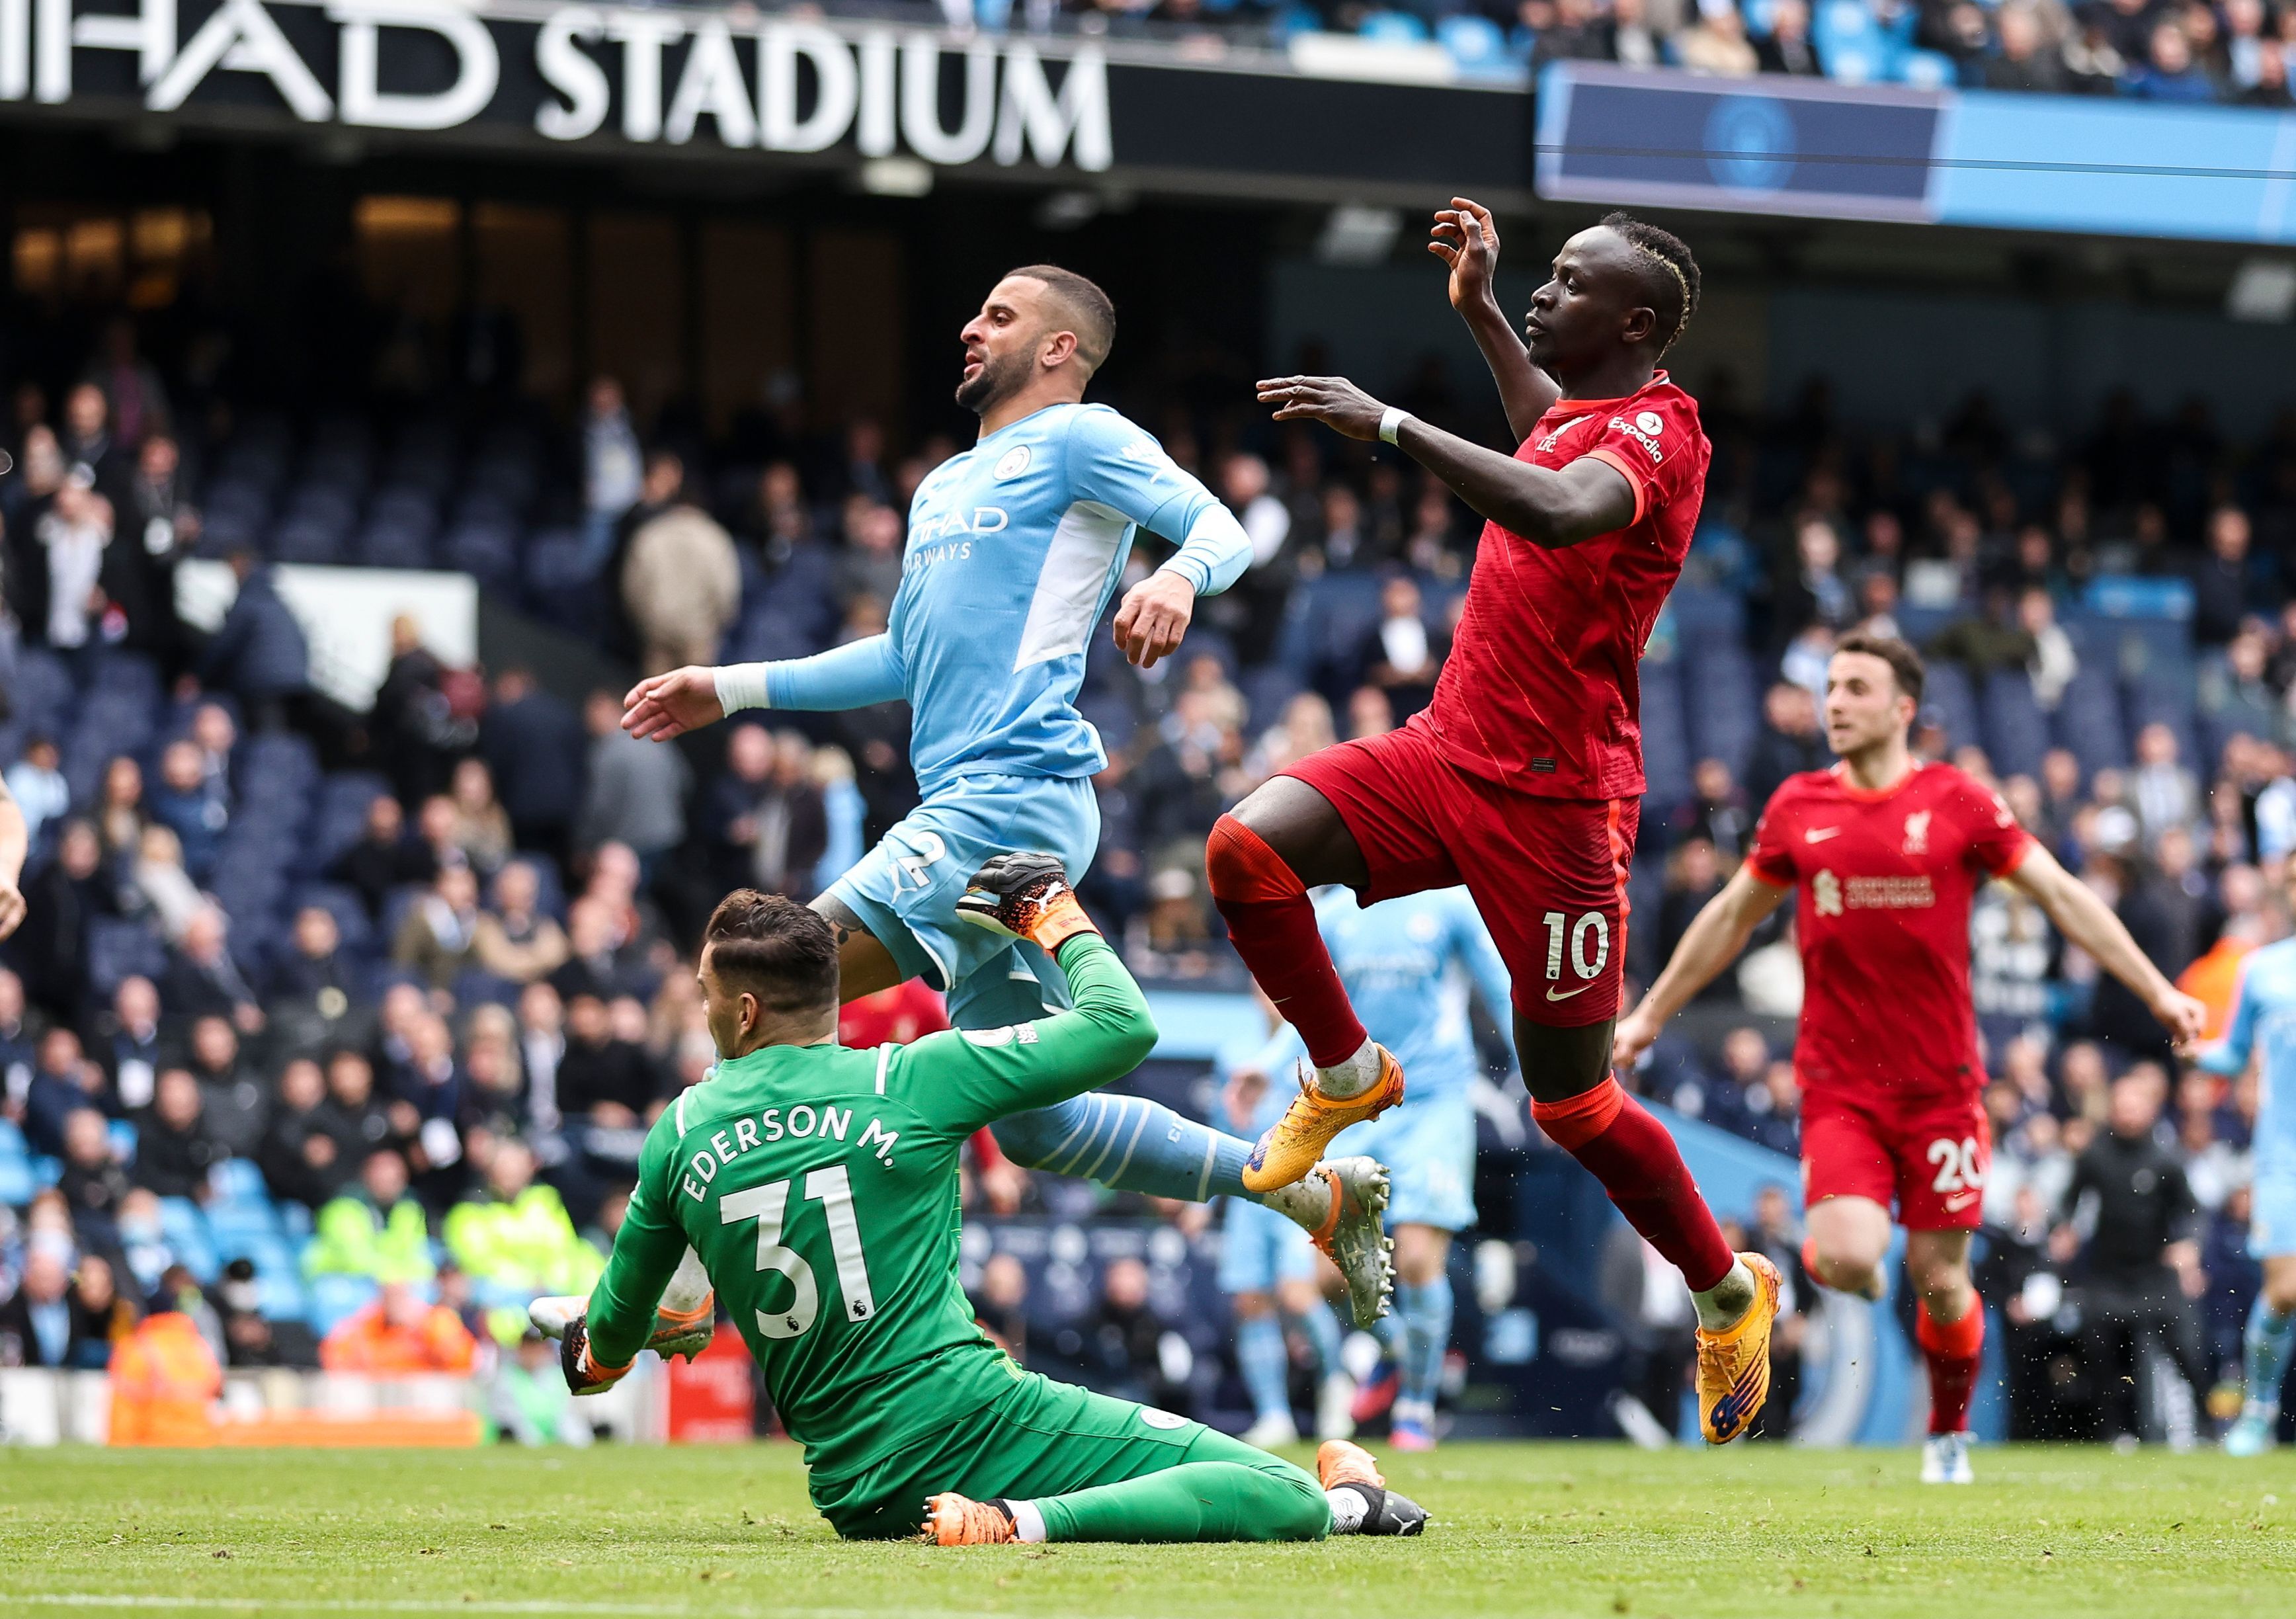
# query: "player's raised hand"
[662,706]
[1154,616]
[1332,400]
[1464,238]
[1632,1037]
[2184,1017]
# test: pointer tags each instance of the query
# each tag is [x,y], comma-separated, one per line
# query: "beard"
[999,378]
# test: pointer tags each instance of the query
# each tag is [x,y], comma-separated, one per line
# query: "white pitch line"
[260,1605]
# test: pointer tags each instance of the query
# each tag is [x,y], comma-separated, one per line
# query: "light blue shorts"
[1428,1148]
[1260,1248]
[2272,1217]
[904,890]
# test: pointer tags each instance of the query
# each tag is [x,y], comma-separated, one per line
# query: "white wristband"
[740,686]
[1391,423]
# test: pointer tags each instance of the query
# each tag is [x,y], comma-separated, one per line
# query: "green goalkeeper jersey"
[819,1186]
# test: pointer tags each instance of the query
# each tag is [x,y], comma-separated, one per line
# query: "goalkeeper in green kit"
[818,1187]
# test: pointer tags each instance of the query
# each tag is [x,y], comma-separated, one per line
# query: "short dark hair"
[1905,664]
[1090,309]
[775,948]
[1669,272]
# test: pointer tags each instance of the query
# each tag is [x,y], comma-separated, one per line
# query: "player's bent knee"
[1239,865]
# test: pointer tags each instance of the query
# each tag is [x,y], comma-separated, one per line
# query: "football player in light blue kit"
[2264,1016]
[1267,1266]
[1408,964]
[1014,549]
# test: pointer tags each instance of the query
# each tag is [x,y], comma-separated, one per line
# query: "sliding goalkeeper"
[819,1187]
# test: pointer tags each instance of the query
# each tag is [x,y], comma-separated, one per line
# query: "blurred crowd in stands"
[344,1028]
[2235,51]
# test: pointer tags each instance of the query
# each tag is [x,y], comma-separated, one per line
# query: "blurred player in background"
[1522,778]
[2264,1023]
[1014,549]
[1888,852]
[818,1186]
[1269,1267]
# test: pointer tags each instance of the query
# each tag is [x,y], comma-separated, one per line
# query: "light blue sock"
[1128,1143]
[1426,1312]
[1388,1330]
[2268,1342]
[1322,1329]
[1266,1366]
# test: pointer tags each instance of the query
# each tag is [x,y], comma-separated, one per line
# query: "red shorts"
[1549,874]
[1929,1160]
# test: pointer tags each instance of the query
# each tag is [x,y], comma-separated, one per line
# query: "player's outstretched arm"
[648,1249]
[1550,506]
[856,675]
[1465,239]
[975,1077]
[1715,937]
[2085,919]
[14,841]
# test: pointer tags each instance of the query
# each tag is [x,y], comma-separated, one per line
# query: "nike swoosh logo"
[1567,994]
[1962,1202]
[1818,834]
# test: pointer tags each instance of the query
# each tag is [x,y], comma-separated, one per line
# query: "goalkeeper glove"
[1025,896]
[584,1376]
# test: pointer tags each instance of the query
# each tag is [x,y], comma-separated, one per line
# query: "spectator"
[681,585]
[102,1317]
[1000,1303]
[38,787]
[399,1336]
[259,654]
[62,1083]
[165,1373]
[2134,1211]
[1646,1293]
[94,1180]
[1717,42]
[2168,72]
[1789,741]
[773,823]
[75,532]
[309,990]
[439,937]
[601,1078]
[1403,653]
[871,565]
[636,792]
[35,1322]
[300,1160]
[481,827]
[383,858]
[360,1123]
[416,727]
[233,1098]
[250,1338]
[528,1403]
[174,1147]
[1694,876]
[1787,49]
[2161,791]
[163,888]
[119,816]
[515,940]
[203,981]
[192,805]
[532,745]
[517,1234]
[62,901]
[612,475]
[372,1228]
[2052,663]
[128,1042]
[1129,1348]
[1718,810]
[2220,578]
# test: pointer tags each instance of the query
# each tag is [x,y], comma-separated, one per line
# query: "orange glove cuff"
[1058,923]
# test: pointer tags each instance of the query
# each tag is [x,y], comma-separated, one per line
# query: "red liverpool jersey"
[1882,920]
[1541,692]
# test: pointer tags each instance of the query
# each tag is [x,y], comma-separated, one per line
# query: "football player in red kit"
[1524,776]
[1887,854]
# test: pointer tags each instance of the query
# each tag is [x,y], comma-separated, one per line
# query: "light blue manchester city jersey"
[2264,1016]
[1014,548]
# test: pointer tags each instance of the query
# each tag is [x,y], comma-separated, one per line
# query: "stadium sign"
[568,73]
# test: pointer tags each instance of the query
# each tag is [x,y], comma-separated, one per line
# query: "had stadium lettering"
[797,1123]
[574,72]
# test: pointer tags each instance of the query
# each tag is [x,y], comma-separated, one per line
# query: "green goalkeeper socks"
[1204,1501]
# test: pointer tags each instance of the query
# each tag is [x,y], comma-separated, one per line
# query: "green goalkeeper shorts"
[1043,1438]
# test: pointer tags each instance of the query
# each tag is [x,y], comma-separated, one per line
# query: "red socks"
[1630,1152]
[1274,928]
[1954,1351]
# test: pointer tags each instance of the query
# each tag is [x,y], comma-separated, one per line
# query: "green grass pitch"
[720,1534]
